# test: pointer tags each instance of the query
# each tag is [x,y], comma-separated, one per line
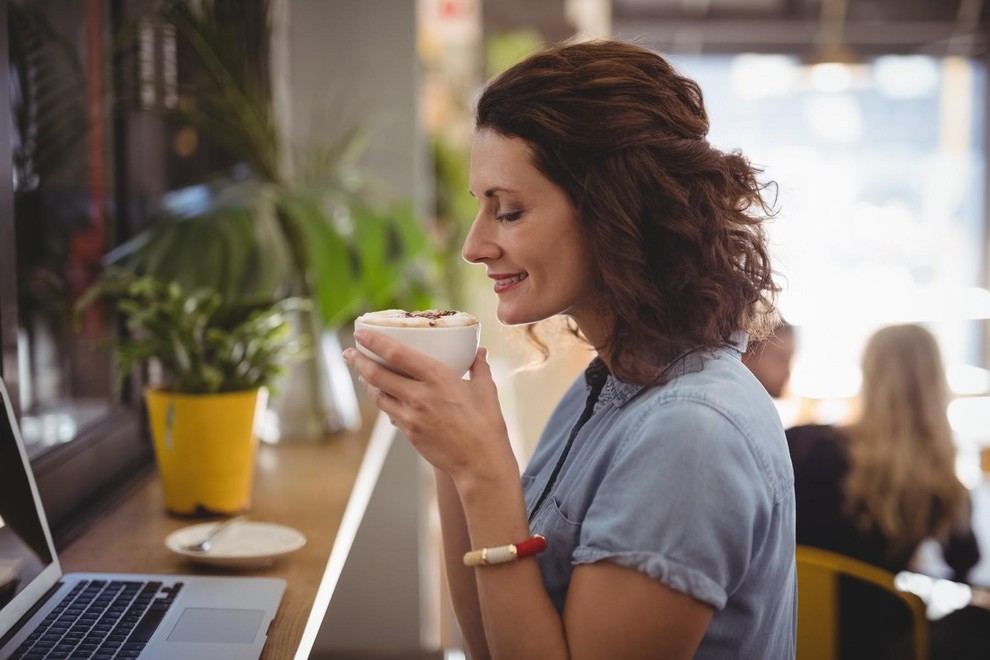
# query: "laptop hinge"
[16,628]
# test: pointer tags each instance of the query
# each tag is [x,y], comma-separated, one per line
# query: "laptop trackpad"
[209,624]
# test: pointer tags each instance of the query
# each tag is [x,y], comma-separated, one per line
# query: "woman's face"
[527,235]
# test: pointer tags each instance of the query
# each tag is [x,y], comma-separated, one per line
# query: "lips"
[505,282]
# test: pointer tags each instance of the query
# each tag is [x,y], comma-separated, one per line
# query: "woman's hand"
[455,424]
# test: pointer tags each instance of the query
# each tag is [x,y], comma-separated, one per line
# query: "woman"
[877,488]
[662,483]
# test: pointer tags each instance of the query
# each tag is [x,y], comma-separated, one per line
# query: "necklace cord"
[597,379]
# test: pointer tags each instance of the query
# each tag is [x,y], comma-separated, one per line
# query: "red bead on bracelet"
[506,553]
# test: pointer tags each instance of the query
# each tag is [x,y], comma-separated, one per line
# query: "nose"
[479,245]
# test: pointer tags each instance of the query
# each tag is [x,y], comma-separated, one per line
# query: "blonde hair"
[902,481]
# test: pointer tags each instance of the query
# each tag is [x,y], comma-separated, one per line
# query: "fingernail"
[359,336]
[348,354]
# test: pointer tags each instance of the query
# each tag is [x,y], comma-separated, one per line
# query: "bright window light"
[880,201]
[969,417]
[831,77]
[763,76]
[967,380]
[906,76]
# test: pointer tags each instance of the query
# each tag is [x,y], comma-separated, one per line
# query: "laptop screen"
[24,549]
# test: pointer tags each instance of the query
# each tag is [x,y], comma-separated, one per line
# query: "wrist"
[489,484]
[490,464]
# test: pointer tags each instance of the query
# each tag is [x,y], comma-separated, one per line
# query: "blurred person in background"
[662,482]
[878,487]
[770,359]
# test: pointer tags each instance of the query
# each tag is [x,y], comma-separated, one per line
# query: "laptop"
[45,613]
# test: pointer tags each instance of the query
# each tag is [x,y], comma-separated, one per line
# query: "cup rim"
[432,328]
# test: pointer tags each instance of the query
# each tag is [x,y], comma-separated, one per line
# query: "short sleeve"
[685,500]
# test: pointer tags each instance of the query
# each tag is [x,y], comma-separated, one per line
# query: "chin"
[507,319]
[509,316]
[512,317]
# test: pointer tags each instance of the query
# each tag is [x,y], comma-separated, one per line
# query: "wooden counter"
[304,485]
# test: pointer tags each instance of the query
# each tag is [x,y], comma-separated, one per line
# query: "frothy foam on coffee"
[430,318]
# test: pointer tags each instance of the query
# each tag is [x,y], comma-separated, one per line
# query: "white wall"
[346,63]
[337,65]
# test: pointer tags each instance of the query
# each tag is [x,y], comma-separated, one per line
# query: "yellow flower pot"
[205,448]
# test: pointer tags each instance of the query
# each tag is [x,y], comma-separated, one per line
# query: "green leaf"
[203,342]
[337,289]
[410,229]
[379,273]
[238,248]
[272,265]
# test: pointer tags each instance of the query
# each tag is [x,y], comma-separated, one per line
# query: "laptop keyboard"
[100,620]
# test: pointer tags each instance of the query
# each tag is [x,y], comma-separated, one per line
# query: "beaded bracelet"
[506,553]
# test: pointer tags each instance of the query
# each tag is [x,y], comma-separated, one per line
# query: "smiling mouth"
[506,283]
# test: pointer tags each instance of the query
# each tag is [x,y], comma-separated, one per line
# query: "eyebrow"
[491,191]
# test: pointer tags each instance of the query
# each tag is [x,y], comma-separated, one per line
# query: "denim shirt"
[691,484]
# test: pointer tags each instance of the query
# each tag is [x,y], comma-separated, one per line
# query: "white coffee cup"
[448,336]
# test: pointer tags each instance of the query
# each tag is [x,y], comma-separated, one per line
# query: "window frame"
[79,479]
[791,34]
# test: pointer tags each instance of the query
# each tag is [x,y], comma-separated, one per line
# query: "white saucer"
[244,545]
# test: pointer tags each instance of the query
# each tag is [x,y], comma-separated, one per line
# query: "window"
[881,173]
[92,159]
[63,187]
[57,219]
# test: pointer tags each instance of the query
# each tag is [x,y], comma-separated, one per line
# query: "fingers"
[398,356]
[384,401]
[411,402]
[372,372]
[480,367]
[385,387]
[378,381]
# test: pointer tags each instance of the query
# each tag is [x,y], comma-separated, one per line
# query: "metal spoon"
[207,542]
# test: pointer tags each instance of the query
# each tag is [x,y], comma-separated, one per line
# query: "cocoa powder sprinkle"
[432,315]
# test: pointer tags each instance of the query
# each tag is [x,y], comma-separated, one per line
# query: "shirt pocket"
[563,536]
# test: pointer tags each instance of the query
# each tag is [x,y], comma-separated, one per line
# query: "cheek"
[582,266]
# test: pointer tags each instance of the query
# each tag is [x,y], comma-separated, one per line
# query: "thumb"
[480,367]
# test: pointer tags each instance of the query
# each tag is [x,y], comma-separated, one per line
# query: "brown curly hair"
[675,225]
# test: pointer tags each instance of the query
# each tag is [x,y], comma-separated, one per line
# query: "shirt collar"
[739,341]
[615,391]
[619,392]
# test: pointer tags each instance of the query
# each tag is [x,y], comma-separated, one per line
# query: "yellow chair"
[818,574]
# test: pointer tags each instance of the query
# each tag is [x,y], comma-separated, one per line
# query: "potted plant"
[215,361]
[294,221]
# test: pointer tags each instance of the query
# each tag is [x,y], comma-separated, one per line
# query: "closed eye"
[508,216]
